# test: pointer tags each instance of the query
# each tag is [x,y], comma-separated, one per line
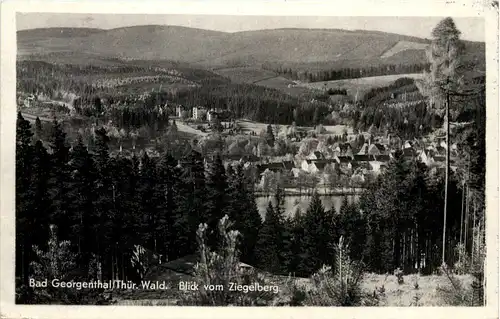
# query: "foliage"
[339,286]
[222,267]
[58,262]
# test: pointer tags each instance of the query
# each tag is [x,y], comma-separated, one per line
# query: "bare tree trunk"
[466,225]
[447,168]
[474,229]
[462,215]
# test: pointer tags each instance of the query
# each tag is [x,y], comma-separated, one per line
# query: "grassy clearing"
[360,85]
[245,74]
[405,294]
[257,127]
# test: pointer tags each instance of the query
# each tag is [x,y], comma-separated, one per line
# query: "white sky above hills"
[472,29]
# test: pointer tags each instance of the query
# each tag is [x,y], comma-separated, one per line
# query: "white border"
[254,7]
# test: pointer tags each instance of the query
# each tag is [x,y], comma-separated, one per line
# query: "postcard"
[252,158]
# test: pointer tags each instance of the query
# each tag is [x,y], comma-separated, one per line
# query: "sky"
[472,29]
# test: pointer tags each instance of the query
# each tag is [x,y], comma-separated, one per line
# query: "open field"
[360,85]
[403,295]
[257,127]
[245,74]
[285,85]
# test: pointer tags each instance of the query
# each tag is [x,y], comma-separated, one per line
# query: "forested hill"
[216,49]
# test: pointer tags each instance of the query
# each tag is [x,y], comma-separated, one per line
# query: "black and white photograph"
[250,160]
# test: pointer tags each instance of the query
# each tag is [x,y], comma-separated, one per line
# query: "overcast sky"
[471,28]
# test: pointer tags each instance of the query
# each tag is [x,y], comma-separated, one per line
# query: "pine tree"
[242,209]
[191,207]
[216,200]
[151,199]
[169,176]
[82,198]
[269,243]
[104,207]
[39,189]
[441,83]
[60,180]
[270,136]
[317,243]
[352,228]
[24,203]
[38,129]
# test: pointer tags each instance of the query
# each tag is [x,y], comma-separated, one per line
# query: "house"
[377,166]
[27,101]
[295,172]
[316,166]
[377,149]
[273,167]
[361,166]
[217,113]
[344,162]
[408,144]
[316,155]
[358,178]
[425,156]
[364,149]
[178,110]
[199,112]
[344,149]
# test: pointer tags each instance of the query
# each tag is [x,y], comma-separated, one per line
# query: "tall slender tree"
[217,199]
[443,81]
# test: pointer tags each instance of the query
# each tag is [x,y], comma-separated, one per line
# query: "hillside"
[219,49]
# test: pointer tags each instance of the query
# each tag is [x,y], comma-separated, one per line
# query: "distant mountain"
[218,49]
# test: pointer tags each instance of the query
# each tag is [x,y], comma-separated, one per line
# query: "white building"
[199,112]
[178,110]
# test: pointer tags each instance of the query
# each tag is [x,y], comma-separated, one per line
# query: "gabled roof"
[364,149]
[320,165]
[344,159]
[380,147]
[318,154]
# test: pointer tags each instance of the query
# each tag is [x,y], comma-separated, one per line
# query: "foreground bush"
[340,286]
[223,268]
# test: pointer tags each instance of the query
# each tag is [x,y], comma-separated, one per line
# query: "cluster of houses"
[371,159]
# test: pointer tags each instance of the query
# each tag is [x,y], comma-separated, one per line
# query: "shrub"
[399,275]
[223,268]
[60,263]
[339,287]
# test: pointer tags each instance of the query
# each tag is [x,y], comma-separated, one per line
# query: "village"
[305,159]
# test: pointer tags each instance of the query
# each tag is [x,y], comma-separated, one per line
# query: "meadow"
[359,86]
[245,74]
